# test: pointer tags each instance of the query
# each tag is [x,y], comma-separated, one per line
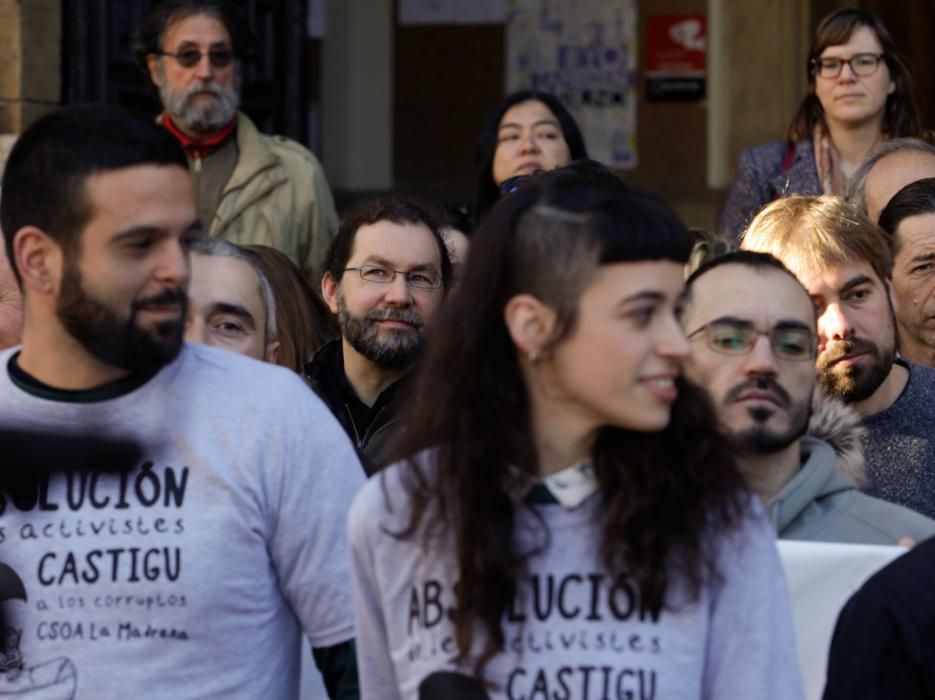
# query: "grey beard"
[206,115]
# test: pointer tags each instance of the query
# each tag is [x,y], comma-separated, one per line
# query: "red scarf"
[199,149]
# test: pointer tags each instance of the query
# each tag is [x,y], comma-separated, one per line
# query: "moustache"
[167,297]
[763,384]
[843,348]
[204,86]
[408,316]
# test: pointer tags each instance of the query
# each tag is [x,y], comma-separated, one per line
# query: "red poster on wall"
[676,57]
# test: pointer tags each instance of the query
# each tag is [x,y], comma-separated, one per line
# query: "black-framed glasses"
[417,279]
[739,337]
[862,64]
[220,57]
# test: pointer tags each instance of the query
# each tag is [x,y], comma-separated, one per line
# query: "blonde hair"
[816,233]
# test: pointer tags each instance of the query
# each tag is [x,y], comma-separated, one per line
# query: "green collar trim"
[540,495]
[105,392]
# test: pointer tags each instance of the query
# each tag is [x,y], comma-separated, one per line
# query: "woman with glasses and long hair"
[859,95]
[565,520]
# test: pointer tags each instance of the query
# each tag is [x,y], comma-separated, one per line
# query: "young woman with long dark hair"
[566,521]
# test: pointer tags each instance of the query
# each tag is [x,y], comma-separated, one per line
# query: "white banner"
[585,53]
[822,576]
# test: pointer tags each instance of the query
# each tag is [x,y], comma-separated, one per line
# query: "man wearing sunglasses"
[752,329]
[251,187]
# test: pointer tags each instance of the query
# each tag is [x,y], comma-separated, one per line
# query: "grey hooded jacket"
[822,503]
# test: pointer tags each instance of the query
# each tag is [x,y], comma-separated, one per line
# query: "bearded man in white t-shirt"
[195,574]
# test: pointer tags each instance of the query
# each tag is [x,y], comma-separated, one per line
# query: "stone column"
[357,95]
[30,37]
[756,76]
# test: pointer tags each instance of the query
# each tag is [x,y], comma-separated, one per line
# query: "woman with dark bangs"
[565,520]
[859,95]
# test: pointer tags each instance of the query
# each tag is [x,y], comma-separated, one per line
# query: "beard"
[857,382]
[394,348]
[200,114]
[117,341]
[760,438]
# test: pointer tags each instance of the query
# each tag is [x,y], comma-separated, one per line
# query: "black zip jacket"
[370,428]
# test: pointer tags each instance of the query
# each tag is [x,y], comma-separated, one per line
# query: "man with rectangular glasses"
[252,188]
[386,273]
[752,327]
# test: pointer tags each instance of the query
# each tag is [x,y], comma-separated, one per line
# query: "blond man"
[844,262]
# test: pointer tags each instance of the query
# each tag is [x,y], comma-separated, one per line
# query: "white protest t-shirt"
[194,575]
[573,631]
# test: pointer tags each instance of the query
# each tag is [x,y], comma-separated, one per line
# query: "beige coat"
[277,196]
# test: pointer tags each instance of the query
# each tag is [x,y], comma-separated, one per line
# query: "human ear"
[272,352]
[894,302]
[329,292]
[530,324]
[38,259]
[152,65]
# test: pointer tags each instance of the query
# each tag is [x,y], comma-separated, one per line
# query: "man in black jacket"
[386,272]
[884,640]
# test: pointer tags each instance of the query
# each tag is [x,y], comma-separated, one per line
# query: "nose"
[847,73]
[673,344]
[204,69]
[172,268]
[833,324]
[398,292]
[761,360]
[195,329]
[528,143]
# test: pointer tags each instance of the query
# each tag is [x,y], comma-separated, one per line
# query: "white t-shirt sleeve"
[319,478]
[751,648]
[374,663]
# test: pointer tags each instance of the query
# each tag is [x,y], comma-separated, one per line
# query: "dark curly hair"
[395,208]
[901,116]
[666,495]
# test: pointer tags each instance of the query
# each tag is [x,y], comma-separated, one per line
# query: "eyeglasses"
[417,279]
[862,64]
[189,58]
[739,337]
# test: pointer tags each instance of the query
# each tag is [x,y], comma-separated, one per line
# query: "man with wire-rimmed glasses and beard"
[386,273]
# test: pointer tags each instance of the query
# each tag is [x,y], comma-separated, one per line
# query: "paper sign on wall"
[583,52]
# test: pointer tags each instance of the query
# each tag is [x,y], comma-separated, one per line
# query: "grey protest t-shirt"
[573,631]
[195,575]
